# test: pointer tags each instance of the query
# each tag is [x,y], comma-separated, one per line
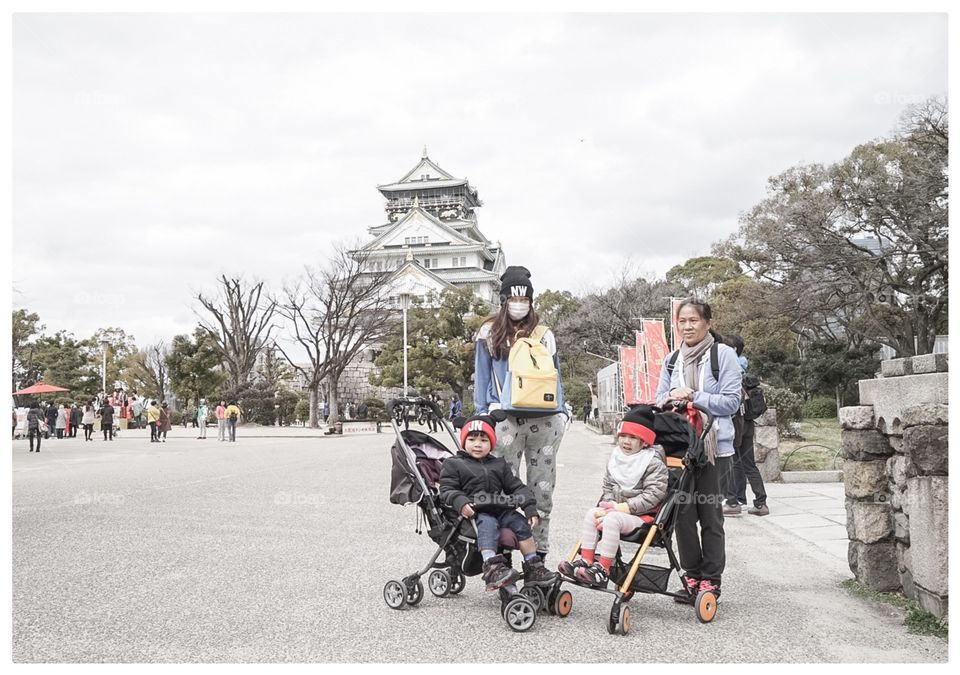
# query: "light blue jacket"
[721,398]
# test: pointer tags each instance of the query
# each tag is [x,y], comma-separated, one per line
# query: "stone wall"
[766,445]
[895,480]
[354,385]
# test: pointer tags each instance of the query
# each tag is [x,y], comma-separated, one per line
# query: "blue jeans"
[489,524]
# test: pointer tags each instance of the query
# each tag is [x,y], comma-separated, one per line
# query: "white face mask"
[517,309]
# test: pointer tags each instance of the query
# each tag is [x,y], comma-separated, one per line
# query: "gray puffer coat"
[647,494]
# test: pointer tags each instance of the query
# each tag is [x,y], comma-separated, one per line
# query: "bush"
[820,407]
[376,409]
[176,417]
[789,408]
[302,410]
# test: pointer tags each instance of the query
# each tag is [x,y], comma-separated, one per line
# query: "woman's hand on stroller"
[467,511]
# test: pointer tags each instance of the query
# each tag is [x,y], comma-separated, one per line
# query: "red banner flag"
[655,353]
[628,373]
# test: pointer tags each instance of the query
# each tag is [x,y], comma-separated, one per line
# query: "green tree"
[62,360]
[193,366]
[25,326]
[553,307]
[440,357]
[699,277]
[120,347]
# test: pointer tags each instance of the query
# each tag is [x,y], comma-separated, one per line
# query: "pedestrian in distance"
[153,417]
[106,420]
[221,415]
[202,418]
[75,419]
[34,423]
[51,414]
[233,416]
[163,423]
[88,419]
[705,372]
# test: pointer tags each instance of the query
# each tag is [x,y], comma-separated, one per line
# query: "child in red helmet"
[635,483]
[478,485]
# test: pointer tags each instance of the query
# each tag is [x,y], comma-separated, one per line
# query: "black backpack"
[754,403]
[233,417]
[714,361]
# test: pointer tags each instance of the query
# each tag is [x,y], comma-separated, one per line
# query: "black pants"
[153,432]
[87,432]
[59,432]
[30,434]
[702,555]
[745,468]
[108,431]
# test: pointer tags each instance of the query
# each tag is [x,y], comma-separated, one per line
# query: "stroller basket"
[649,578]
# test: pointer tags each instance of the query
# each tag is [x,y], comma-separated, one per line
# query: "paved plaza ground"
[277,547]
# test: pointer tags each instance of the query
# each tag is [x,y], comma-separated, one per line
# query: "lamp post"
[404,301]
[104,344]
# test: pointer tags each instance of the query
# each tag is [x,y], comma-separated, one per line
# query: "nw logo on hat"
[518,291]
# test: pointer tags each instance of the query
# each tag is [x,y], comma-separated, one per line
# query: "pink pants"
[615,523]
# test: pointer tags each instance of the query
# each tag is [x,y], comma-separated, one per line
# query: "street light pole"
[104,344]
[404,298]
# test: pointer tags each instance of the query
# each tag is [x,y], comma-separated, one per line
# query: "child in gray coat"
[634,485]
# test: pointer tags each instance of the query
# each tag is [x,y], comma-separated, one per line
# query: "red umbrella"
[40,388]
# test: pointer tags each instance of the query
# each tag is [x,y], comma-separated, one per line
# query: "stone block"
[856,417]
[770,467]
[901,527]
[870,521]
[926,448]
[896,442]
[864,445]
[903,557]
[929,541]
[896,367]
[874,564]
[897,470]
[863,480]
[889,397]
[920,415]
[767,419]
[934,603]
[929,363]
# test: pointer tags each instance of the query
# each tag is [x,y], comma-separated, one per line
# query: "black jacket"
[106,414]
[484,483]
[50,414]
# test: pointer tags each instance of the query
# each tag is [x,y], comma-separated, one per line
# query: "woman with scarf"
[689,376]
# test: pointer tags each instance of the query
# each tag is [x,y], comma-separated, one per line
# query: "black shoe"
[593,575]
[535,574]
[693,585]
[497,574]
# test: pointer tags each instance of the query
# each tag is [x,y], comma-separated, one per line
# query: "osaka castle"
[431,238]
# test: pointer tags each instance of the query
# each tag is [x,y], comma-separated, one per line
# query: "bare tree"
[334,314]
[240,323]
[148,369]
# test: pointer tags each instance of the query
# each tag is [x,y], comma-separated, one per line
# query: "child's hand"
[622,507]
[467,511]
[533,520]
[607,506]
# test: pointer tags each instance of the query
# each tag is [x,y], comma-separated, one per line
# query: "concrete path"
[215,552]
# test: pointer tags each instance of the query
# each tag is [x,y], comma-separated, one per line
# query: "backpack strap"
[538,333]
[672,362]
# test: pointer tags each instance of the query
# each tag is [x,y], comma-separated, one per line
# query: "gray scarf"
[691,374]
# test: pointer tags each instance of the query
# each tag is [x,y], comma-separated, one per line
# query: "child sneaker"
[593,575]
[761,510]
[569,569]
[536,574]
[496,573]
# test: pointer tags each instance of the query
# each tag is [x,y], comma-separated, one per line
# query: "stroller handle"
[414,401]
[682,406]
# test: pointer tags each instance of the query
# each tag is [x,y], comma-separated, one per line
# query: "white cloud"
[152,152]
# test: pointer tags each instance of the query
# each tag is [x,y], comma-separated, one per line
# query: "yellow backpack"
[532,379]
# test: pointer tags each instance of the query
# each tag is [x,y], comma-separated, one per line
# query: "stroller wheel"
[705,606]
[520,614]
[535,596]
[563,604]
[619,620]
[394,594]
[439,583]
[414,592]
[458,583]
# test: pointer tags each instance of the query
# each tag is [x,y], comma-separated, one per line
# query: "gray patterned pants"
[537,440]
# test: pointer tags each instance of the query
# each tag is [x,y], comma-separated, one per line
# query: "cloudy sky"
[153,152]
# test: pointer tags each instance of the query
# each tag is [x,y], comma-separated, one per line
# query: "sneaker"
[536,574]
[569,569]
[731,510]
[707,585]
[496,573]
[689,584]
[761,510]
[593,575]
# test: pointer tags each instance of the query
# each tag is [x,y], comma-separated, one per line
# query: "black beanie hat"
[515,282]
[639,422]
